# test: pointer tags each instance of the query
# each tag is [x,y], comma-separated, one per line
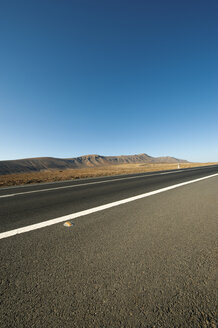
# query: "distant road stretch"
[140,251]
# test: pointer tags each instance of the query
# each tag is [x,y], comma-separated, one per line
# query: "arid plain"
[79,173]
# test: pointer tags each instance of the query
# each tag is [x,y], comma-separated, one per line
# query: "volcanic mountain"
[48,163]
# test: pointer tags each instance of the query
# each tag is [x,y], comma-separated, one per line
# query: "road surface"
[149,262]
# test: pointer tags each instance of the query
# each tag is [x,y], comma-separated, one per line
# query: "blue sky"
[109,77]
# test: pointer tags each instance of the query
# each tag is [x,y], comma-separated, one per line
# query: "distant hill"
[48,163]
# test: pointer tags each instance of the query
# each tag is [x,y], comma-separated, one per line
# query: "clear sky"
[109,77]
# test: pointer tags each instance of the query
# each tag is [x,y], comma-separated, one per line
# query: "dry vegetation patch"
[71,174]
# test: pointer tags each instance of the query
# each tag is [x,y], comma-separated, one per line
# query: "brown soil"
[71,174]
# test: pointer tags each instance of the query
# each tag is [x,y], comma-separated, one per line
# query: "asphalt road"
[147,263]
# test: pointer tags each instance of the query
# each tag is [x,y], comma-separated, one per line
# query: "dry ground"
[71,174]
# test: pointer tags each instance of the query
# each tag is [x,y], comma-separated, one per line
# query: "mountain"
[48,163]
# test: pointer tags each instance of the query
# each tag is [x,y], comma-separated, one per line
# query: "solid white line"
[77,185]
[86,184]
[172,172]
[95,209]
[6,195]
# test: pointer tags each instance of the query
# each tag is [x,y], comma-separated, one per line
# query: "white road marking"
[77,185]
[6,195]
[173,172]
[96,209]
[90,183]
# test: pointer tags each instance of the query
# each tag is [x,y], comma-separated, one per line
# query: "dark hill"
[45,163]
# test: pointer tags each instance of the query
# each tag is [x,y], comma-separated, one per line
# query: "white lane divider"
[96,209]
[86,184]
[173,172]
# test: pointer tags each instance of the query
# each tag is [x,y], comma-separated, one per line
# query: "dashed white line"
[96,209]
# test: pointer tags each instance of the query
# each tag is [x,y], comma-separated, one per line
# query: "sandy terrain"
[68,174]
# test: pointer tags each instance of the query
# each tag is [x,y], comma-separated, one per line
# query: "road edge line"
[72,216]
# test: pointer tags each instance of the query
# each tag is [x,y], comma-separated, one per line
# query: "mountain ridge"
[49,163]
